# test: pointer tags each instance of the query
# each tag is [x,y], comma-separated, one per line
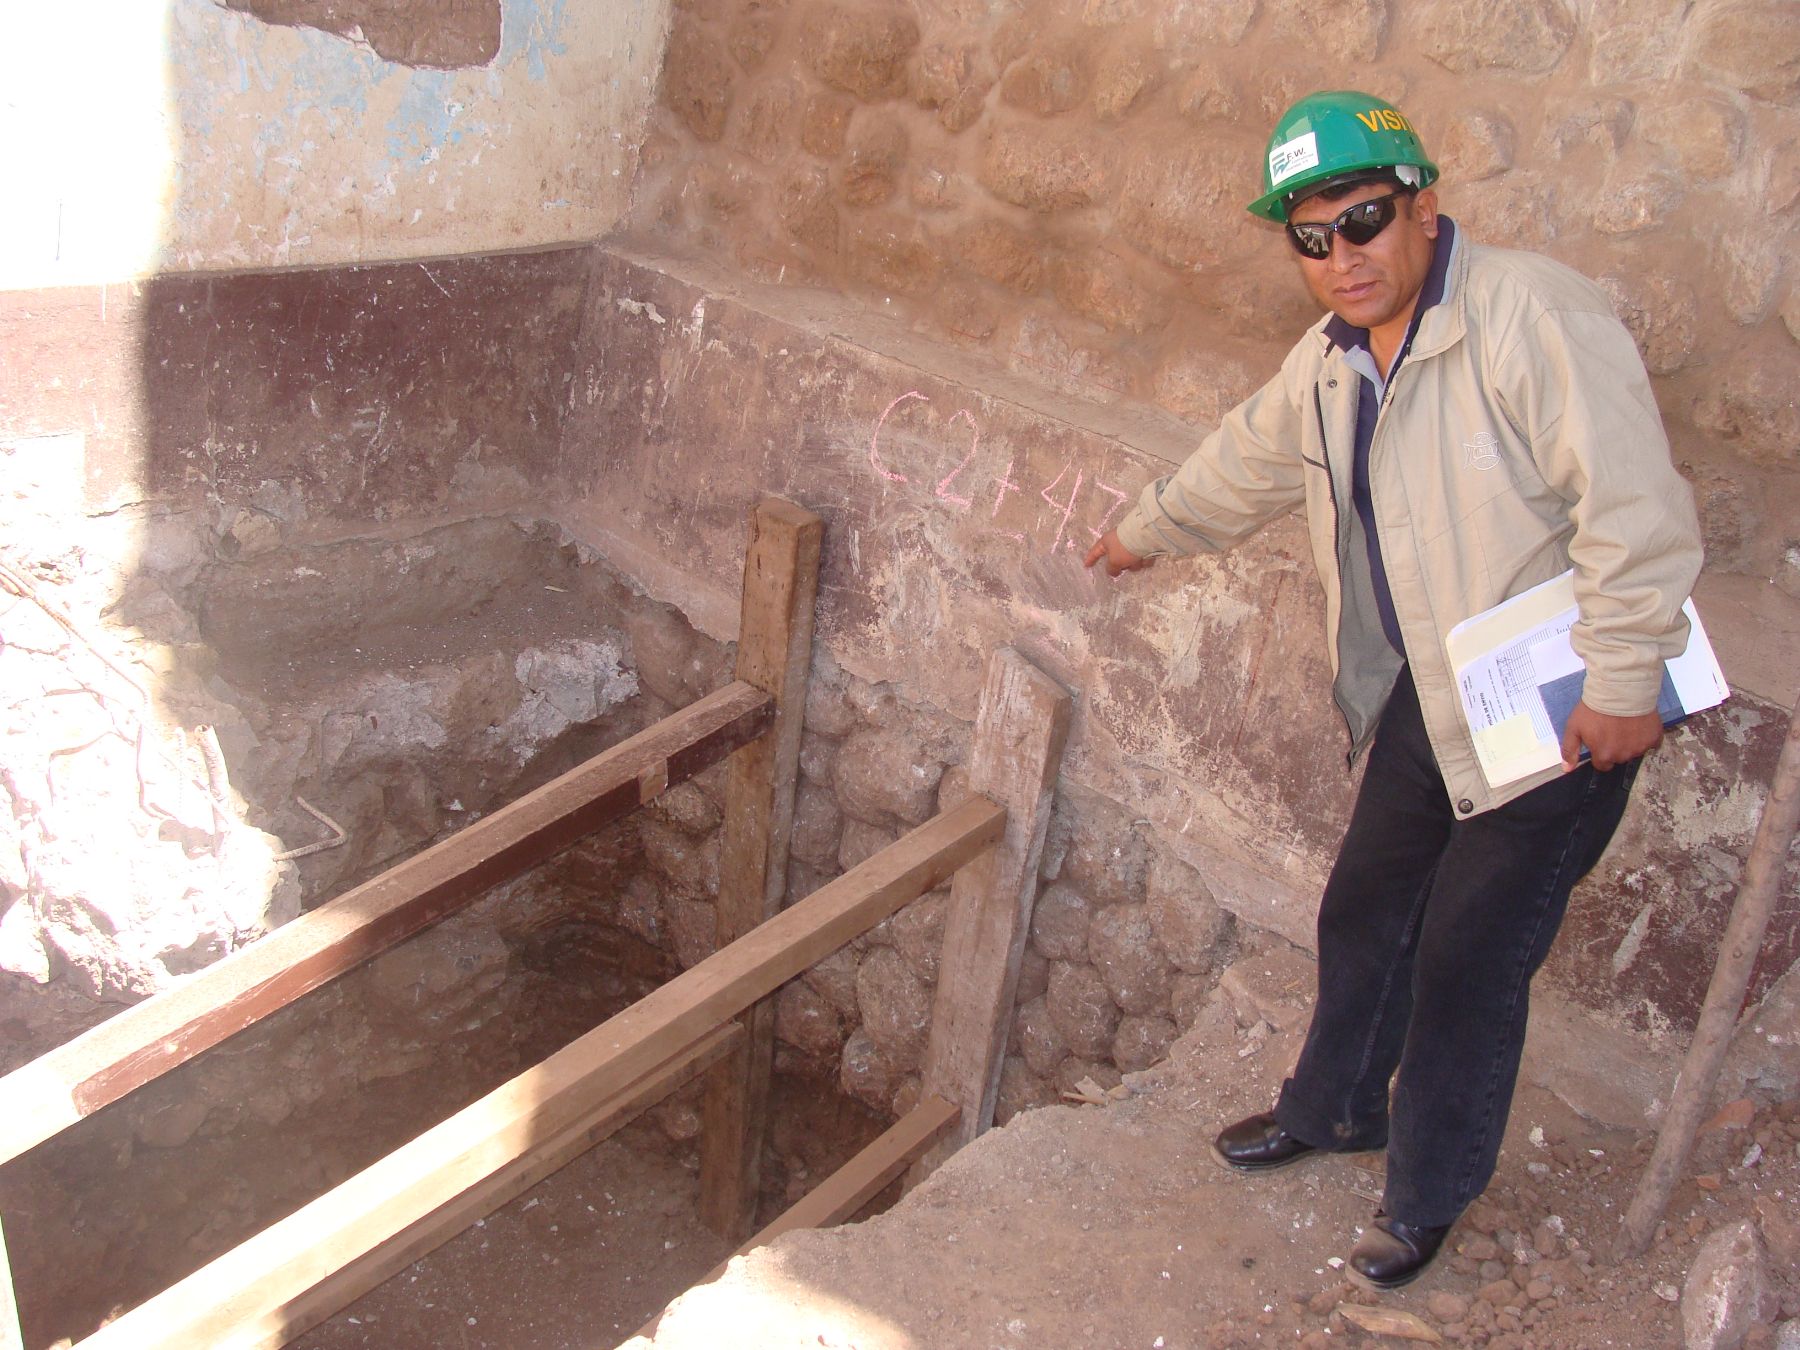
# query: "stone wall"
[1059,185]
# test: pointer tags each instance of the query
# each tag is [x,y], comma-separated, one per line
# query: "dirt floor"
[1112,1226]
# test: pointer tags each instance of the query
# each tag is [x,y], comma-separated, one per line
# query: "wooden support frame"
[775,629]
[11,1337]
[243,1297]
[150,1038]
[1020,733]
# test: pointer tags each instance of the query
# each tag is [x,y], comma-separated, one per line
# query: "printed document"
[1519,678]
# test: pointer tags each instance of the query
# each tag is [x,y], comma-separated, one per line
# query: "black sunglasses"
[1358,224]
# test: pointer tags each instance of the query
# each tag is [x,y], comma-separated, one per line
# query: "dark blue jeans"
[1430,930]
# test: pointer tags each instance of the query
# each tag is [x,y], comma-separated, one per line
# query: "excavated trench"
[402,687]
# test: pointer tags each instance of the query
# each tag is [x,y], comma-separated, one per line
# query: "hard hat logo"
[1333,137]
[1296,156]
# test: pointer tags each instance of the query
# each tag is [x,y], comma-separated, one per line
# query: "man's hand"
[1118,557]
[1609,740]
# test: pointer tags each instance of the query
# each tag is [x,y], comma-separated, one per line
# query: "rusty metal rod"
[1750,914]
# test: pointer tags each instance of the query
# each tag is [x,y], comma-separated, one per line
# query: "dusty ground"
[1111,1226]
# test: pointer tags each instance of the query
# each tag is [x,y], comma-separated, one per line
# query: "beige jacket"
[1519,438]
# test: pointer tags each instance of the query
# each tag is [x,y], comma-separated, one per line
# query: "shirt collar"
[1344,336]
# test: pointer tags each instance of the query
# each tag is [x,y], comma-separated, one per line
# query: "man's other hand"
[1609,740]
[1118,557]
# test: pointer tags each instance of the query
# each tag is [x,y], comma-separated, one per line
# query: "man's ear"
[1425,207]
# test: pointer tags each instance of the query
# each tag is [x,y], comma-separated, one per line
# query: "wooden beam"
[1019,737]
[242,1294]
[147,1040]
[781,580]
[854,1184]
[340,1290]
[11,1337]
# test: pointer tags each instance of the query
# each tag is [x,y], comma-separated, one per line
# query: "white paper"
[1518,677]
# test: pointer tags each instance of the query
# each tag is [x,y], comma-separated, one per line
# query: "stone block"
[861,841]
[1477,144]
[766,120]
[1724,1288]
[1632,200]
[1020,1090]
[892,254]
[663,650]
[808,1021]
[1105,289]
[835,979]
[1036,1038]
[895,1005]
[875,155]
[1125,953]
[1208,95]
[818,825]
[1661,311]
[751,36]
[861,49]
[882,776]
[687,808]
[1527,36]
[1181,198]
[1093,847]
[1351,30]
[1123,76]
[1200,385]
[640,910]
[1059,924]
[1052,79]
[1749,263]
[824,122]
[1752,45]
[1190,926]
[1275,985]
[865,1073]
[1046,168]
[817,754]
[931,187]
[1703,134]
[918,933]
[1002,254]
[1632,40]
[697,80]
[808,211]
[686,860]
[1034,974]
[1141,1042]
[1752,405]
[1201,28]
[1518,207]
[692,926]
[1081,1009]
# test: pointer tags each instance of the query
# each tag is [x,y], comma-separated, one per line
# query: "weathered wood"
[855,1183]
[781,577]
[1750,914]
[1019,737]
[241,1295]
[340,1290]
[11,1338]
[145,1041]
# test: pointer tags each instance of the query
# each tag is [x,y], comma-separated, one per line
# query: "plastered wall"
[184,135]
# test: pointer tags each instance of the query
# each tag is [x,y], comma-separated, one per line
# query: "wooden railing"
[716,1018]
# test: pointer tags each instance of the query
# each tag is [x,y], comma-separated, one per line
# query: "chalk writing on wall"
[1075,513]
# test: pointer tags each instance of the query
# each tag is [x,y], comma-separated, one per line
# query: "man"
[1464,423]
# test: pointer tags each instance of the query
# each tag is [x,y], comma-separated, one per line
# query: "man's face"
[1375,284]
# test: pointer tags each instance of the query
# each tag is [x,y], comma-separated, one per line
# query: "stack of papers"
[1519,679]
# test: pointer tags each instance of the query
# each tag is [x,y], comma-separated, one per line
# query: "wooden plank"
[781,580]
[1019,737]
[854,1184]
[240,1296]
[147,1040]
[340,1290]
[11,1337]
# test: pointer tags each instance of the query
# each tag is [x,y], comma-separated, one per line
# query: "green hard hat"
[1336,135]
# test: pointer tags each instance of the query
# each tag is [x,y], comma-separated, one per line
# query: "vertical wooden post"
[11,1337]
[781,580]
[1019,738]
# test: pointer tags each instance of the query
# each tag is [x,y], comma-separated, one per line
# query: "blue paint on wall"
[532,30]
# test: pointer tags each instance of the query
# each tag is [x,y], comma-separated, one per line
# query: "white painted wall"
[139,136]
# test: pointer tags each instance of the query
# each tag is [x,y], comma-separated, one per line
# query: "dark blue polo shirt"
[1354,343]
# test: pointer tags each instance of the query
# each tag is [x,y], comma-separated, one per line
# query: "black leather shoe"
[1259,1144]
[1390,1254]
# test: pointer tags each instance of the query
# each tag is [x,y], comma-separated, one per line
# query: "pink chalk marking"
[1107,520]
[1068,509]
[1003,485]
[943,488]
[875,437]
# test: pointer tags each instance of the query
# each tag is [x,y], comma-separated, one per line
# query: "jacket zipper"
[1337,553]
